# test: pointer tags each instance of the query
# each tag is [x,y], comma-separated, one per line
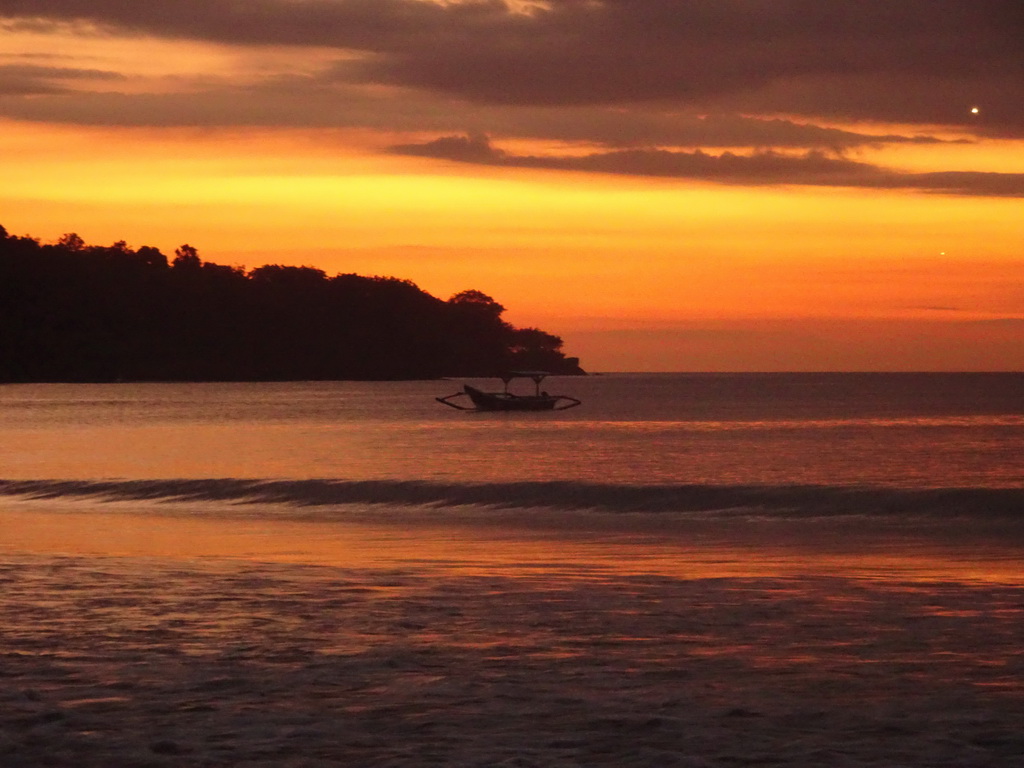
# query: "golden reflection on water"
[180,533]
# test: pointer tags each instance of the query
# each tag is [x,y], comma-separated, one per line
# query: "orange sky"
[824,241]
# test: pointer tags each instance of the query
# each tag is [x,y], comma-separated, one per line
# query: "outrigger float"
[509,401]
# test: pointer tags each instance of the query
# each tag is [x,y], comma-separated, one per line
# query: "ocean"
[901,446]
[687,569]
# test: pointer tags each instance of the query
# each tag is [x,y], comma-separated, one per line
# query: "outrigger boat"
[508,401]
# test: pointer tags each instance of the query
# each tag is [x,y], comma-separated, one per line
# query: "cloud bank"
[636,76]
[761,168]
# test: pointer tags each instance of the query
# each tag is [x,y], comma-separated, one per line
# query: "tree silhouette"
[71,242]
[186,258]
[74,312]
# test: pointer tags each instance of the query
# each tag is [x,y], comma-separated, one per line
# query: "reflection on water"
[189,531]
[121,661]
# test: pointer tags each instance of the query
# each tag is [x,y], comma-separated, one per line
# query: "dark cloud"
[1008,321]
[321,102]
[760,168]
[370,25]
[921,61]
[734,130]
[33,80]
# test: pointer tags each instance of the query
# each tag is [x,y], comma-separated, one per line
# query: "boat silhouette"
[510,401]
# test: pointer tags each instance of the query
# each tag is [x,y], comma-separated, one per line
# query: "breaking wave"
[1004,505]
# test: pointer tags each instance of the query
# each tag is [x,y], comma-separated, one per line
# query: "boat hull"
[504,401]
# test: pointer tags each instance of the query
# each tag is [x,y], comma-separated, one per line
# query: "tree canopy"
[70,311]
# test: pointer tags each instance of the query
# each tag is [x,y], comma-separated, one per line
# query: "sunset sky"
[666,184]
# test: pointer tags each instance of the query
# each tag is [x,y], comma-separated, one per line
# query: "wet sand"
[132,640]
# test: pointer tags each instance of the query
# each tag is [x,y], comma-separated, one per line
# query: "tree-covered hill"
[75,312]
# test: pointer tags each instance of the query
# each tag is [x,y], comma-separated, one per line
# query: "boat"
[510,401]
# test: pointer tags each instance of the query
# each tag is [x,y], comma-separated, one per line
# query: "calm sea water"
[941,446]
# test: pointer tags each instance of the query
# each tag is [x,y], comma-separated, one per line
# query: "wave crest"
[788,501]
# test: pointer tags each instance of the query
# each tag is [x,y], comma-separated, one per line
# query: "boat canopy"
[537,376]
